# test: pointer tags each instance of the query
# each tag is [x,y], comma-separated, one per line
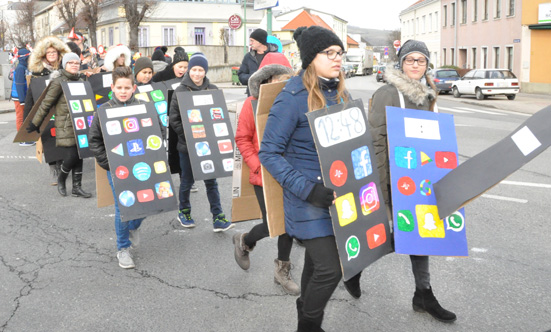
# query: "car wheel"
[511,97]
[456,93]
[479,94]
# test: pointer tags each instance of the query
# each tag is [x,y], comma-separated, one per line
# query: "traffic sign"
[234,22]
[397,44]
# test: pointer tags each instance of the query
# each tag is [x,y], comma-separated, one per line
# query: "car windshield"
[446,73]
[500,74]
[353,58]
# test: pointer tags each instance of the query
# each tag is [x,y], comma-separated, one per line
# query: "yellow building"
[536,25]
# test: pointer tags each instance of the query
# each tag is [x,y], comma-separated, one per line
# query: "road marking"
[453,110]
[3,122]
[527,184]
[17,157]
[503,198]
[480,111]
[479,249]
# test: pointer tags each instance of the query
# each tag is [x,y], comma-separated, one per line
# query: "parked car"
[487,82]
[381,74]
[348,70]
[444,77]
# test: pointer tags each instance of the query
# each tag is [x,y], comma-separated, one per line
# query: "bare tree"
[68,12]
[22,31]
[225,37]
[90,15]
[135,11]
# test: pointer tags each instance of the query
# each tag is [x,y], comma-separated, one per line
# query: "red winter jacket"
[247,141]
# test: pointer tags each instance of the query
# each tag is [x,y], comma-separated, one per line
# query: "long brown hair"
[428,78]
[316,99]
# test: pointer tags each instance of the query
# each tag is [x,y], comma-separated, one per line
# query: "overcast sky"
[363,13]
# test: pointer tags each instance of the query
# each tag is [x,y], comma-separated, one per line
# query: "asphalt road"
[58,270]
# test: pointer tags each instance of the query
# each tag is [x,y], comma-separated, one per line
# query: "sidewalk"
[523,103]
[6,106]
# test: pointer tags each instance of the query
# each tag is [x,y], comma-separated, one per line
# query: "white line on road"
[3,122]
[17,157]
[479,111]
[503,198]
[479,249]
[453,110]
[527,184]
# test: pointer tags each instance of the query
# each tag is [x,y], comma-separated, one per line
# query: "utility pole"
[245,41]
[269,27]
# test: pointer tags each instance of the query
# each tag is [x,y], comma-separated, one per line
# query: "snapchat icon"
[346,209]
[429,222]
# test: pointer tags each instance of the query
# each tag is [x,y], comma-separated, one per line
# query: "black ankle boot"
[352,285]
[77,186]
[305,325]
[61,177]
[424,301]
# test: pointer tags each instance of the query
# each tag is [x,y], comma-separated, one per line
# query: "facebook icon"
[405,157]
[361,162]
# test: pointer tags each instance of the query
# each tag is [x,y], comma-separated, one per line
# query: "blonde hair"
[316,99]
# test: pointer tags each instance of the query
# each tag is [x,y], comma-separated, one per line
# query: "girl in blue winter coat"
[289,153]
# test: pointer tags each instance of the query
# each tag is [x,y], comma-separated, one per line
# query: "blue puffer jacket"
[19,87]
[289,153]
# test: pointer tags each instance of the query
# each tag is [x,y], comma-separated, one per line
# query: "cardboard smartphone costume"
[101,86]
[137,160]
[22,135]
[173,154]
[157,94]
[82,106]
[244,203]
[422,148]
[209,135]
[483,171]
[348,166]
[273,192]
[104,193]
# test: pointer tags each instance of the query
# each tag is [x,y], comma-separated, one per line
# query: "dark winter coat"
[65,134]
[164,75]
[250,65]
[289,153]
[174,115]
[416,96]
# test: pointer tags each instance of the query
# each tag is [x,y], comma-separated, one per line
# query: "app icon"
[98,97]
[425,187]
[216,113]
[88,105]
[142,96]
[83,141]
[406,186]
[127,198]
[338,173]
[161,107]
[445,159]
[369,200]
[220,129]
[75,106]
[110,95]
[90,118]
[405,221]
[135,147]
[113,127]
[207,166]
[228,164]
[346,209]
[141,171]
[198,131]
[145,195]
[429,222]
[405,157]
[80,124]
[455,221]
[164,119]
[157,95]
[361,162]
[225,146]
[425,159]
[118,150]
[194,116]
[52,132]
[376,236]
[164,190]
[159,166]
[202,148]
[154,142]
[130,125]
[352,247]
[147,122]
[121,172]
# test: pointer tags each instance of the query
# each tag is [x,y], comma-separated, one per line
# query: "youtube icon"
[145,195]
[445,159]
[376,236]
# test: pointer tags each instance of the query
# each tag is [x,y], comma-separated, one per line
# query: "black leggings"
[71,160]
[260,231]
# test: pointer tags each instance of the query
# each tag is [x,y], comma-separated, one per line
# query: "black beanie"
[260,36]
[313,40]
[180,56]
[412,46]
[141,64]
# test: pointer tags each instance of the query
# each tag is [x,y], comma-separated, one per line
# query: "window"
[143,36]
[474,58]
[479,74]
[445,16]
[496,57]
[424,27]
[463,11]
[453,14]
[453,56]
[111,36]
[435,21]
[430,23]
[511,8]
[509,55]
[485,10]
[102,37]
[417,25]
[169,36]
[475,10]
[484,57]
[444,56]
[199,36]
[498,8]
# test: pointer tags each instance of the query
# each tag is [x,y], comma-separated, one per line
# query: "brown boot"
[282,276]
[241,252]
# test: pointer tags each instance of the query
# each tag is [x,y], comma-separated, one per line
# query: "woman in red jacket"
[274,67]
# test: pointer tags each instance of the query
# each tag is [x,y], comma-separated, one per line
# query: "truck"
[361,59]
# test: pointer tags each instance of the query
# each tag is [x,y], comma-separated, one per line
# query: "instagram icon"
[130,125]
[369,200]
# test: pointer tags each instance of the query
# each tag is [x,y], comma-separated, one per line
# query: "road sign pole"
[269,13]
[245,41]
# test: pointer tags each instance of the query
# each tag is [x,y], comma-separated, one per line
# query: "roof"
[305,19]
[417,4]
[351,41]
[280,12]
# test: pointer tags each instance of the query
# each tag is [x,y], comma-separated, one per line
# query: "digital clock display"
[340,127]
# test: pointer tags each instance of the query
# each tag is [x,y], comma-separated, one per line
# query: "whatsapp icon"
[352,247]
[455,222]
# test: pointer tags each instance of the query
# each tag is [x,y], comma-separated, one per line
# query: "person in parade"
[117,56]
[176,69]
[252,60]
[65,134]
[19,88]
[194,80]
[274,68]
[289,153]
[143,71]
[406,89]
[158,59]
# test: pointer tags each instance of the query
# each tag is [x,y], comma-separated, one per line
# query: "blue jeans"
[186,181]
[122,228]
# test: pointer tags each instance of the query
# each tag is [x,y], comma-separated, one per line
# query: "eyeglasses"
[73,63]
[332,54]
[421,61]
[52,52]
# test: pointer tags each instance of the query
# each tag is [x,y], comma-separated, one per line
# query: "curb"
[7,111]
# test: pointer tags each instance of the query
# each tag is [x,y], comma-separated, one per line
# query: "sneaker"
[125,259]
[27,143]
[134,237]
[221,224]
[193,189]
[184,216]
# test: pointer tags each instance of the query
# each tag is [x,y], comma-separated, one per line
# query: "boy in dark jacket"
[19,88]
[194,80]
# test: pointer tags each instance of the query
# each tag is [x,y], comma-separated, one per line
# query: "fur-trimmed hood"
[264,74]
[39,52]
[415,90]
[114,53]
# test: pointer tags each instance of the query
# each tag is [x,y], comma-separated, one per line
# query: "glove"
[321,196]
[32,128]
